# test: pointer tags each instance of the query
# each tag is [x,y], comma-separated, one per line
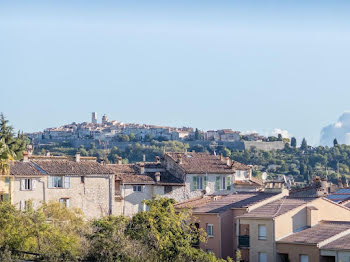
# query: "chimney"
[228,161]
[157,175]
[221,157]
[119,160]
[144,158]
[30,150]
[312,216]
[340,183]
[48,153]
[157,159]
[142,168]
[102,162]
[77,157]
[25,157]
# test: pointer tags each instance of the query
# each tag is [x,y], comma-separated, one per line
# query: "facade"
[205,174]
[217,215]
[74,183]
[281,218]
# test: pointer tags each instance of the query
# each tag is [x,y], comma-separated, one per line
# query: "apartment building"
[279,219]
[217,215]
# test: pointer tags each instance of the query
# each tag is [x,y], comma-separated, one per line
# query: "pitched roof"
[318,233]
[130,174]
[342,243]
[278,207]
[19,168]
[218,204]
[62,167]
[202,163]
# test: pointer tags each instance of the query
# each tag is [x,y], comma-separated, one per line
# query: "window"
[7,181]
[82,179]
[223,183]
[59,182]
[64,202]
[304,258]
[168,189]
[137,188]
[262,257]
[27,184]
[145,207]
[210,230]
[198,182]
[262,232]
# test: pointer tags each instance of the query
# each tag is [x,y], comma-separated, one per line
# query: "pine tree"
[335,142]
[303,144]
[293,142]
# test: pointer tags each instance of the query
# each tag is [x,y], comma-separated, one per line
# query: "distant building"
[105,119]
[94,118]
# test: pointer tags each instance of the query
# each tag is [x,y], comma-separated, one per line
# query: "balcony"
[243,241]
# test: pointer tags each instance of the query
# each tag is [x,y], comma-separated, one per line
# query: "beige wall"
[92,196]
[256,245]
[294,252]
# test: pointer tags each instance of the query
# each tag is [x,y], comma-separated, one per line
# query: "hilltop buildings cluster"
[263,220]
[109,133]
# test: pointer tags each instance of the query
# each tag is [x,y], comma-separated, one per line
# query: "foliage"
[6,155]
[15,144]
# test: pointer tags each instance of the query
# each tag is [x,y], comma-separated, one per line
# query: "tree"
[303,145]
[279,138]
[293,142]
[6,156]
[172,234]
[335,142]
[132,137]
[148,137]
[197,134]
[16,144]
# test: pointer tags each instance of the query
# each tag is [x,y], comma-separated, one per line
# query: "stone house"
[337,250]
[80,182]
[277,220]
[205,174]
[143,181]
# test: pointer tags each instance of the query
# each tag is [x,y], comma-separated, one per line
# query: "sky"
[245,65]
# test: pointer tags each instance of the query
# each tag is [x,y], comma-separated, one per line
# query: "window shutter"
[33,184]
[194,183]
[23,184]
[229,183]
[67,202]
[50,182]
[6,197]
[66,182]
[205,182]
[217,184]
[21,205]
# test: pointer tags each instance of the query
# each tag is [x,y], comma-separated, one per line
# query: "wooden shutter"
[194,183]
[66,182]
[23,184]
[217,184]
[50,182]
[67,202]
[33,184]
[229,183]
[205,182]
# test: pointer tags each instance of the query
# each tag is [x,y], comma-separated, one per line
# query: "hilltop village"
[112,133]
[259,219]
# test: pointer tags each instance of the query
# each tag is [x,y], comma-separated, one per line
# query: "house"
[277,220]
[217,215]
[74,182]
[337,250]
[205,174]
[305,245]
[143,181]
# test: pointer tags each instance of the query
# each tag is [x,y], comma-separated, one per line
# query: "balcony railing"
[243,241]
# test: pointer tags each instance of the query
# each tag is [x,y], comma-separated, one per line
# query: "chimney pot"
[157,175]
[119,160]
[25,157]
[77,157]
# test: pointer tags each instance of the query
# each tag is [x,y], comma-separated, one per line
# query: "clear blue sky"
[245,65]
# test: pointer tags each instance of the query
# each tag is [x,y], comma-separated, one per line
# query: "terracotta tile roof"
[130,174]
[19,168]
[62,167]
[342,243]
[278,207]
[318,233]
[218,204]
[202,163]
